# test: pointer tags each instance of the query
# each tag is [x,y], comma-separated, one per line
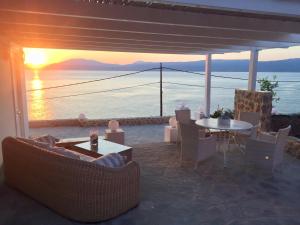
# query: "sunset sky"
[41,57]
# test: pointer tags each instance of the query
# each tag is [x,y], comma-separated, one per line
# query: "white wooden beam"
[207,84]
[252,70]
[120,42]
[28,30]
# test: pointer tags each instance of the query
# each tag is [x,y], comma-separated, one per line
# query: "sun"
[35,58]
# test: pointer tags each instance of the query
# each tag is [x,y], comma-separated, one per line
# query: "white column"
[8,126]
[207,84]
[19,83]
[252,70]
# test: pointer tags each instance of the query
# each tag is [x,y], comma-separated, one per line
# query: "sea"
[51,94]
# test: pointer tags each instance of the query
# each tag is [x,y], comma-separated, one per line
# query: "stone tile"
[172,194]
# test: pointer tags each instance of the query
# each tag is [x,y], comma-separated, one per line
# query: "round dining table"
[232,126]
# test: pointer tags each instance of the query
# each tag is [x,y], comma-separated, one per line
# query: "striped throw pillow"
[112,160]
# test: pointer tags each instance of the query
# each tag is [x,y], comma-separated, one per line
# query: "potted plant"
[223,116]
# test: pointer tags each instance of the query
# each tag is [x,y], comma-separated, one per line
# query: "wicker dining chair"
[267,151]
[241,137]
[250,117]
[182,116]
[195,146]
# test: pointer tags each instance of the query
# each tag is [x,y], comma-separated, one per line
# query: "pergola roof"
[174,26]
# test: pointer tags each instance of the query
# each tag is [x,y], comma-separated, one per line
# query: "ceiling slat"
[146,15]
[112,27]
[160,29]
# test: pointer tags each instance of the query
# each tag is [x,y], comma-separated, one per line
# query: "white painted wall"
[7,112]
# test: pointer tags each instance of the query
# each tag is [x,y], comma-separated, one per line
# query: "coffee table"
[105,147]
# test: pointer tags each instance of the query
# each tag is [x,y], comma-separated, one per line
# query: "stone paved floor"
[174,194]
[133,134]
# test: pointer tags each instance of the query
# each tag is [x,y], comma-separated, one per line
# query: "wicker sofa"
[76,189]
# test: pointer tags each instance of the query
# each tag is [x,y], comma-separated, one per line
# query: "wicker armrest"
[114,189]
[266,137]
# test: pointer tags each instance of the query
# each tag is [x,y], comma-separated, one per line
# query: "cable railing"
[92,81]
[161,82]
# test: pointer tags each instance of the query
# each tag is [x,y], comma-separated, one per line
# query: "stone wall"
[254,101]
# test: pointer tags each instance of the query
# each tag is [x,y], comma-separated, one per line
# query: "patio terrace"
[170,193]
[174,194]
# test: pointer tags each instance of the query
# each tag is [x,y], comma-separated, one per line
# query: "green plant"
[220,112]
[217,113]
[269,85]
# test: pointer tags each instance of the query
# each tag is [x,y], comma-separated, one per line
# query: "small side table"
[171,134]
[116,136]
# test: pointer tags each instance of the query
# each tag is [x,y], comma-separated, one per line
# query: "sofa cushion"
[112,160]
[46,139]
[86,158]
[39,144]
[47,146]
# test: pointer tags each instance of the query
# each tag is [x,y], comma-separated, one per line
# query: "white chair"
[241,137]
[182,116]
[194,145]
[267,151]
[207,147]
[250,117]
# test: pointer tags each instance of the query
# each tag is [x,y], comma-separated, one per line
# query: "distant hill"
[288,65]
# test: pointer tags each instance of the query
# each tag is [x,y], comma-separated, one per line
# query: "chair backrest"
[183,115]
[250,117]
[281,140]
[189,134]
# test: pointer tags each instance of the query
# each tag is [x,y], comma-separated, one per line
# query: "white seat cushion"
[86,158]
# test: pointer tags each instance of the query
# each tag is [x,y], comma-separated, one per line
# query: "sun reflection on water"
[37,103]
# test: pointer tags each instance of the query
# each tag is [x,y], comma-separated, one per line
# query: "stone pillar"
[254,101]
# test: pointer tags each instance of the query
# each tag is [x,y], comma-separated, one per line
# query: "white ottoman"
[170,134]
[116,136]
